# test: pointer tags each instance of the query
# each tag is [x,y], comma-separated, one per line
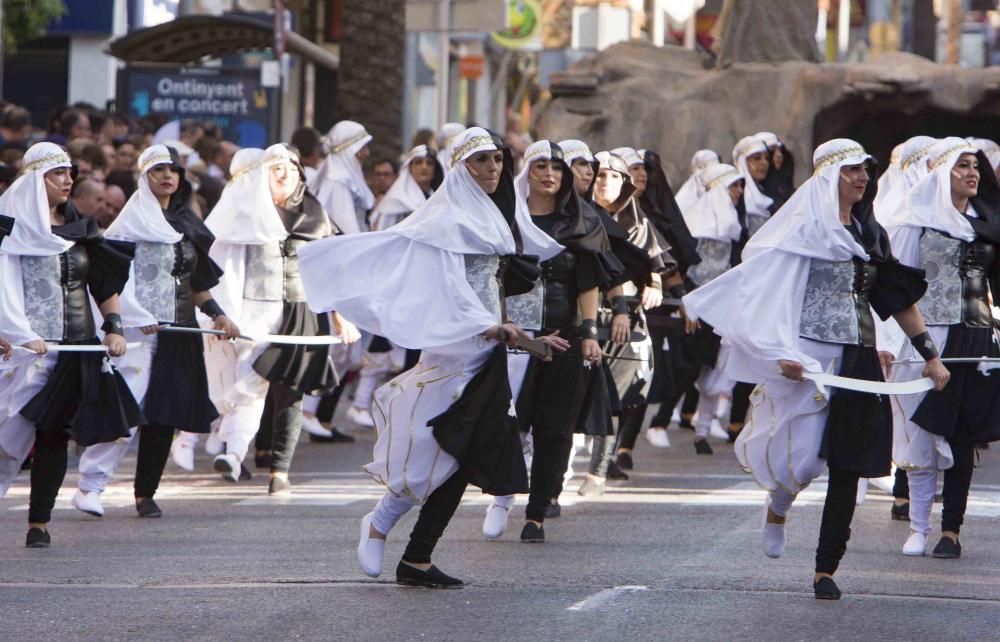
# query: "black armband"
[924,346]
[677,291]
[619,305]
[113,324]
[587,329]
[212,309]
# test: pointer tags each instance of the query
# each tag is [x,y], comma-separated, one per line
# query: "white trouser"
[375,372]
[17,435]
[99,462]
[389,510]
[781,500]
[712,384]
[923,486]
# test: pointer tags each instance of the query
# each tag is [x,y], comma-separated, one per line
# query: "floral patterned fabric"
[41,277]
[940,256]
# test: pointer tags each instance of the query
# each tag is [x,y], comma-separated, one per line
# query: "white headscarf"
[988,147]
[574,149]
[757,203]
[692,189]
[629,155]
[444,139]
[142,217]
[891,178]
[714,216]
[28,203]
[341,166]
[461,217]
[404,196]
[912,167]
[245,213]
[929,203]
[808,224]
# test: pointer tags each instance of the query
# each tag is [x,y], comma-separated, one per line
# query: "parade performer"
[693,187]
[340,184]
[949,226]
[780,180]
[171,275]
[444,423]
[53,263]
[799,304]
[753,158]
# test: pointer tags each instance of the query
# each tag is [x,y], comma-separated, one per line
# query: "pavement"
[671,554]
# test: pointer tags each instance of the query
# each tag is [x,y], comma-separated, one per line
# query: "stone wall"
[371,75]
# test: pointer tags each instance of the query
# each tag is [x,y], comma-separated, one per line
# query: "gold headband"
[943,156]
[720,179]
[347,143]
[577,151]
[252,167]
[156,159]
[917,155]
[894,157]
[472,143]
[836,157]
[45,162]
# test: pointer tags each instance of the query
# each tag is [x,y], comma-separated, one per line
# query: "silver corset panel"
[941,257]
[527,310]
[265,275]
[41,278]
[155,286]
[755,222]
[829,312]
[716,257]
[481,273]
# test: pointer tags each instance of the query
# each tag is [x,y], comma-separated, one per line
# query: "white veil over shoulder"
[910,167]
[757,203]
[28,204]
[713,216]
[142,217]
[757,306]
[245,213]
[340,171]
[693,188]
[929,203]
[988,147]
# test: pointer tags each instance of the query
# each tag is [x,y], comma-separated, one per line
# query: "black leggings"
[630,424]
[548,465]
[957,481]
[48,469]
[901,485]
[434,516]
[282,418]
[154,448]
[328,404]
[741,402]
[838,511]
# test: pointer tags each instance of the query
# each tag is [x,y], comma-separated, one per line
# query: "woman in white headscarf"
[949,226]
[171,275]
[780,180]
[52,264]
[905,171]
[714,222]
[248,234]
[693,188]
[801,303]
[419,175]
[752,158]
[340,182]
[444,423]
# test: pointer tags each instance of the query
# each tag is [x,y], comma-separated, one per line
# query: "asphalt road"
[672,554]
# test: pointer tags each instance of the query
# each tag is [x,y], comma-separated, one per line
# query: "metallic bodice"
[56,299]
[481,273]
[836,308]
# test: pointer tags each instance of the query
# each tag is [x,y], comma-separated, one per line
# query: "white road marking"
[601,598]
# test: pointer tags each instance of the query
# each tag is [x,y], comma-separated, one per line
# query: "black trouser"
[154,448]
[901,485]
[957,480]
[741,402]
[548,465]
[838,511]
[434,516]
[48,469]
[630,424]
[328,404]
[282,418]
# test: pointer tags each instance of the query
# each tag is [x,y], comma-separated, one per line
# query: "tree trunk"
[371,76]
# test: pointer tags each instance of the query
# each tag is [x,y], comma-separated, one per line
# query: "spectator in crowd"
[8,174]
[126,153]
[115,200]
[12,156]
[382,176]
[15,127]
[87,196]
[425,137]
[72,124]
[115,127]
[124,179]
[191,132]
[89,159]
[309,142]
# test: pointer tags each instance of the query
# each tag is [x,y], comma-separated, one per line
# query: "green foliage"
[27,19]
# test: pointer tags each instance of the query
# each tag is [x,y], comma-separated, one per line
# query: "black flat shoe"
[335,437]
[901,512]
[685,423]
[947,549]
[532,534]
[279,486]
[615,473]
[554,510]
[826,589]
[146,507]
[702,447]
[37,538]
[245,475]
[263,462]
[624,461]
[407,575]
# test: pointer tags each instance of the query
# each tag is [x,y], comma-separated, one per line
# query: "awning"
[189,39]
